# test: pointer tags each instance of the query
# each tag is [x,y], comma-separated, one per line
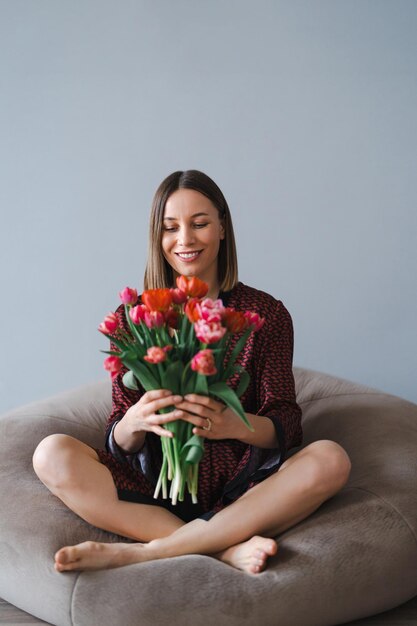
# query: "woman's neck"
[213,293]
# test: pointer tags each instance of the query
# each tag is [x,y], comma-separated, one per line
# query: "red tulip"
[157,299]
[192,310]
[203,363]
[178,296]
[128,296]
[109,324]
[235,321]
[113,365]
[172,318]
[193,287]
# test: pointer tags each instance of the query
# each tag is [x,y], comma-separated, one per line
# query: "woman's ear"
[222,233]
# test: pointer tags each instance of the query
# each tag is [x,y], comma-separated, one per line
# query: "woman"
[248,492]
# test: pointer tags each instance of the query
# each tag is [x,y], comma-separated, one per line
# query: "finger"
[162,418]
[200,422]
[163,432]
[207,401]
[202,433]
[154,394]
[192,407]
[161,403]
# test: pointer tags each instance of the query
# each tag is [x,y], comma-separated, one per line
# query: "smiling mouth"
[188,256]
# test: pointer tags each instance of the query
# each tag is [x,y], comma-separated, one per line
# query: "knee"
[330,465]
[53,458]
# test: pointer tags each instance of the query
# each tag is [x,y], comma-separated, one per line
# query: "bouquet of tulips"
[181,341]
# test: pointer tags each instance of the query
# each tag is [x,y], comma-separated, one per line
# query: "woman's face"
[191,235]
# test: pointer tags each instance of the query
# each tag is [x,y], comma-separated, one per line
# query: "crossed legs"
[242,534]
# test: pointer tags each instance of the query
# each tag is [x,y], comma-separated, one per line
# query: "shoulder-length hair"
[158,273]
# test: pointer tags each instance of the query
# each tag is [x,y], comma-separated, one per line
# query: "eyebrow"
[195,215]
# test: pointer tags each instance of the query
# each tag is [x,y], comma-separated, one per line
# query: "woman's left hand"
[211,418]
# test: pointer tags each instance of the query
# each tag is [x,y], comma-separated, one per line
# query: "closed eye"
[171,229]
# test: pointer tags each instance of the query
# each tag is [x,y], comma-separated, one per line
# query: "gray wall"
[303,112]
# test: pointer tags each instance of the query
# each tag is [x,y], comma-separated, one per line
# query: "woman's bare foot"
[93,555]
[249,556]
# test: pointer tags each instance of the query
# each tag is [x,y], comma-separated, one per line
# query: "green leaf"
[188,382]
[142,373]
[171,377]
[184,325]
[118,343]
[243,382]
[236,351]
[149,340]
[201,386]
[228,396]
[193,450]
[113,353]
[129,380]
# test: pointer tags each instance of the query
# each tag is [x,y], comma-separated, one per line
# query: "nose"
[186,236]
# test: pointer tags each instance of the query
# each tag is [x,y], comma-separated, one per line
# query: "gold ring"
[209,424]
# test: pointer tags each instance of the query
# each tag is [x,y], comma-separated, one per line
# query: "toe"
[66,558]
[271,547]
[63,556]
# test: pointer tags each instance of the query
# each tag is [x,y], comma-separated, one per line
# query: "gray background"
[303,112]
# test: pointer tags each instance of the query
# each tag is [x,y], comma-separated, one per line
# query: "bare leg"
[73,472]
[304,482]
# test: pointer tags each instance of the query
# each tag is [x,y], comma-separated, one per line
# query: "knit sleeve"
[275,380]
[122,397]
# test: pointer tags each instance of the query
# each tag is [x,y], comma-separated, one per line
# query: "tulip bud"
[178,296]
[203,363]
[113,365]
[109,324]
[137,313]
[155,354]
[128,296]
[193,287]
[254,319]
[209,332]
[154,319]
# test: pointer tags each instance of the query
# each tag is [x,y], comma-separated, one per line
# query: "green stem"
[161,479]
[176,483]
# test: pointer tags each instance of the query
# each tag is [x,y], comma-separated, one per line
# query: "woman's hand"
[143,417]
[211,418]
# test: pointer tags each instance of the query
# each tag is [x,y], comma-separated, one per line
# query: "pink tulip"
[203,363]
[155,355]
[254,319]
[113,365]
[137,313]
[211,310]
[209,332]
[154,319]
[128,296]
[109,324]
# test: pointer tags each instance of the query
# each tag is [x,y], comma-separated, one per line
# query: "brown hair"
[158,272]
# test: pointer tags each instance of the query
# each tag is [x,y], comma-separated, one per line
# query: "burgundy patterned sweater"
[229,467]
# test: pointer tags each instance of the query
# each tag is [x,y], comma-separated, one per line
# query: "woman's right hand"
[143,417]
